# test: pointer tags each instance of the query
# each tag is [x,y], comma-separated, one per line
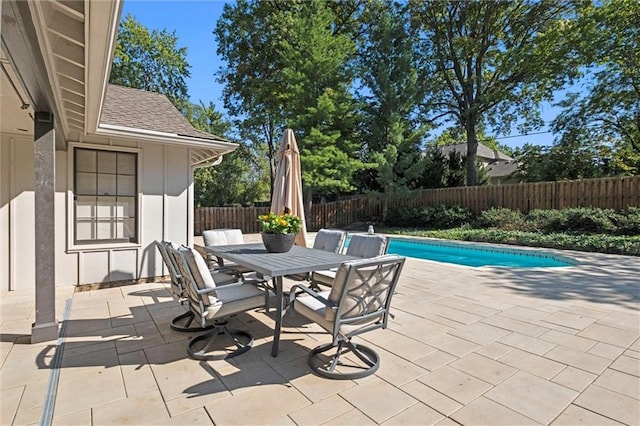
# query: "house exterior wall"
[164,180]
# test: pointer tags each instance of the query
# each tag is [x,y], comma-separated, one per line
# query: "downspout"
[191,195]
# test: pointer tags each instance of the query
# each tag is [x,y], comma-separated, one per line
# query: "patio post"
[46,326]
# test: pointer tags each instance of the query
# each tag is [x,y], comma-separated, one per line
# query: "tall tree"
[286,66]
[609,108]
[390,124]
[247,40]
[492,62]
[575,156]
[150,60]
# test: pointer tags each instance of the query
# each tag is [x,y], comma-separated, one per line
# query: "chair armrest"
[205,290]
[227,270]
[292,295]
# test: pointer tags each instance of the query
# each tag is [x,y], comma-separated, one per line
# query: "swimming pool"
[470,254]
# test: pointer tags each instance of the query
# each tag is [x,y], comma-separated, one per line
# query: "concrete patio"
[483,346]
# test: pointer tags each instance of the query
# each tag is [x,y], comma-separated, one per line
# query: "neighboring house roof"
[484,152]
[140,109]
[501,168]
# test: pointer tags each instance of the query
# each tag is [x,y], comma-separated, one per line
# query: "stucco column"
[44,167]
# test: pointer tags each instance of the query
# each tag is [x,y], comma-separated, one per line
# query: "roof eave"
[222,147]
[100,43]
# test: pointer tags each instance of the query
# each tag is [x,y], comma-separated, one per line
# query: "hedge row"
[581,220]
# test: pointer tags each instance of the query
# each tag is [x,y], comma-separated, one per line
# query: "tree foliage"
[287,66]
[492,62]
[391,123]
[237,179]
[150,60]
[576,156]
[361,83]
[609,109]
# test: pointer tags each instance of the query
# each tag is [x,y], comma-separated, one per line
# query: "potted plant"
[279,231]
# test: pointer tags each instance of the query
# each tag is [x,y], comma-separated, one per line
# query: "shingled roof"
[483,151]
[139,109]
[502,168]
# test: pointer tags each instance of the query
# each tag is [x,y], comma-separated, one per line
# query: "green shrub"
[445,217]
[545,220]
[628,221]
[434,217]
[589,220]
[404,216]
[502,218]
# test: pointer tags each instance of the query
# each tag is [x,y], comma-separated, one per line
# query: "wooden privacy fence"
[612,193]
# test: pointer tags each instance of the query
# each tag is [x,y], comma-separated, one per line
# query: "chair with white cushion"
[223,237]
[360,245]
[358,302]
[213,304]
[184,322]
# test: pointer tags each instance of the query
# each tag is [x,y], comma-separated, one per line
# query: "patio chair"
[328,240]
[358,302]
[214,304]
[360,245]
[222,237]
[183,322]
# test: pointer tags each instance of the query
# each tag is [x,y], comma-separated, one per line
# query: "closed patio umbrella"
[287,187]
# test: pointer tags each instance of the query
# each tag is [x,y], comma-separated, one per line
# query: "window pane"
[105,204]
[127,229]
[85,207]
[106,162]
[85,230]
[85,183]
[126,185]
[126,164]
[106,229]
[126,207]
[85,160]
[106,207]
[106,184]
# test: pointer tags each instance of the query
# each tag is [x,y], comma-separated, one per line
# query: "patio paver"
[466,346]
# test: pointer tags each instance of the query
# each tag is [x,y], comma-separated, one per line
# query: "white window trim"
[71,246]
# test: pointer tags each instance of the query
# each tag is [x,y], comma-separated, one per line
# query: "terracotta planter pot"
[278,243]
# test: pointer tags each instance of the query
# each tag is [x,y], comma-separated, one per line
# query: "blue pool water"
[470,254]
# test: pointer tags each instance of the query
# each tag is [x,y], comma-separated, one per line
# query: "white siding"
[164,179]
[66,263]
[18,225]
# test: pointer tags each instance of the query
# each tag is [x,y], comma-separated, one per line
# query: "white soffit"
[60,28]
[76,38]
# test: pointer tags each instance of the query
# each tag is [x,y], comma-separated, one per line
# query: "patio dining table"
[277,265]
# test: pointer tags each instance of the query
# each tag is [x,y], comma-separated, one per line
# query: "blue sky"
[194,22]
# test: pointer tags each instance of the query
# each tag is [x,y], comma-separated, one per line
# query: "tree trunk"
[308,202]
[271,154]
[472,150]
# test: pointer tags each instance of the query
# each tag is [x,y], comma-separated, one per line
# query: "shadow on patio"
[613,282]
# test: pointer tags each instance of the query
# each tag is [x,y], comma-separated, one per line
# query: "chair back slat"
[362,291]
[194,279]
